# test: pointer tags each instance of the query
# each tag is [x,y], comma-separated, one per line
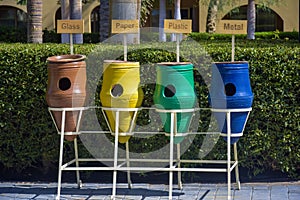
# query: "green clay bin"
[175,90]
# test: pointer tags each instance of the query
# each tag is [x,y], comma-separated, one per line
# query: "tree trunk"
[65,14]
[162,17]
[104,14]
[212,16]
[76,13]
[251,15]
[125,10]
[177,15]
[34,22]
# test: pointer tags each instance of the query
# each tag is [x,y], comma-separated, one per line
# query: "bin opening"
[230,89]
[169,91]
[117,90]
[64,84]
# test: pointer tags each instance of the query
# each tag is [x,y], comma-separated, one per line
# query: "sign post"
[125,27]
[178,27]
[70,26]
[232,27]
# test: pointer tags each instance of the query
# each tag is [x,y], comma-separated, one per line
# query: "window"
[57,16]
[95,20]
[266,18]
[13,17]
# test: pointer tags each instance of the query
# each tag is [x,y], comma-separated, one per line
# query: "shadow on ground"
[33,174]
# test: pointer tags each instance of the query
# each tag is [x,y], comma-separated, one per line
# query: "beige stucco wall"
[13,4]
[49,9]
[288,10]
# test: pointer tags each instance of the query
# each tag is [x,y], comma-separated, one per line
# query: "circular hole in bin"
[169,91]
[230,89]
[117,90]
[64,84]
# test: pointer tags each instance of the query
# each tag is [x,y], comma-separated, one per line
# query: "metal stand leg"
[171,155]
[62,133]
[113,196]
[237,177]
[128,165]
[179,165]
[79,183]
[228,156]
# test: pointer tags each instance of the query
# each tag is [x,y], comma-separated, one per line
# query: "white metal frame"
[124,163]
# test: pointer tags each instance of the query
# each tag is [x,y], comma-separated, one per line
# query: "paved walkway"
[191,191]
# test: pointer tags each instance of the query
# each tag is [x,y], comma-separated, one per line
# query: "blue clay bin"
[231,89]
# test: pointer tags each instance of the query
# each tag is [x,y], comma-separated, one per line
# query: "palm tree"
[177,15]
[104,22]
[65,14]
[162,17]
[251,16]
[76,13]
[125,10]
[212,16]
[34,20]
[71,9]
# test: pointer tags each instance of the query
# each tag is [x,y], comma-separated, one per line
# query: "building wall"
[49,10]
[13,4]
[288,10]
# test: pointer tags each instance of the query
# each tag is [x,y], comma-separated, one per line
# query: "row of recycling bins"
[230,89]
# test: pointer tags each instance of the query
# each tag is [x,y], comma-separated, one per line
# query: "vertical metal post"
[77,163]
[232,48]
[228,156]
[171,156]
[177,47]
[125,46]
[71,44]
[115,155]
[128,165]
[179,166]
[237,176]
[62,133]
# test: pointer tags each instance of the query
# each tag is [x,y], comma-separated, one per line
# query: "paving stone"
[92,191]
[222,193]
[294,196]
[161,187]
[261,193]
[98,197]
[133,197]
[279,192]
[184,197]
[245,193]
[150,198]
[8,195]
[7,198]
[25,196]
[294,192]
[294,188]
[167,198]
[44,197]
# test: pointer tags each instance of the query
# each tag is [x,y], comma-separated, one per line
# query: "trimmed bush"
[275,35]
[12,35]
[271,141]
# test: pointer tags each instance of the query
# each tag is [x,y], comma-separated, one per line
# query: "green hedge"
[271,140]
[9,34]
[275,35]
